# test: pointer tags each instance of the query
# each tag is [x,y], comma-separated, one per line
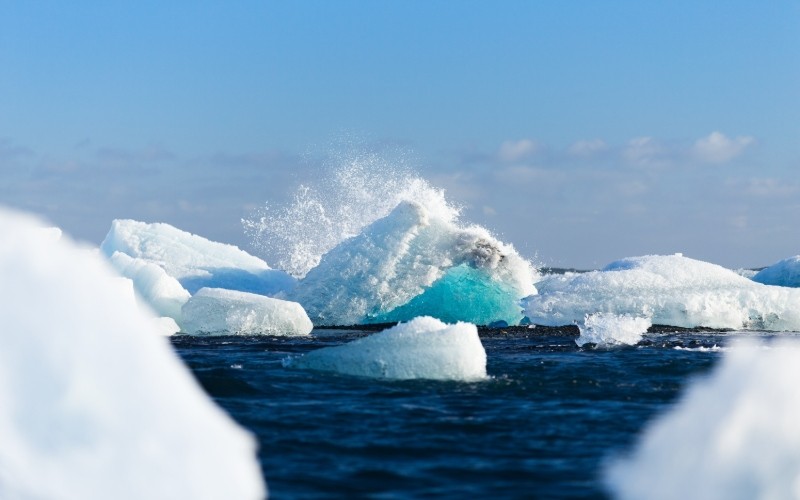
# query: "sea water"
[545,423]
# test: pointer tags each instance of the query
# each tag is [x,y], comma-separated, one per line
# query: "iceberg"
[733,435]
[609,330]
[669,290]
[93,403]
[215,311]
[193,260]
[423,348]
[783,273]
[152,284]
[415,262]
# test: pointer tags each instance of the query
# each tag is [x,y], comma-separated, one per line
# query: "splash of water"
[355,189]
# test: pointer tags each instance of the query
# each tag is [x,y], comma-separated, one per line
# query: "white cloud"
[511,151]
[586,148]
[643,151]
[718,148]
[769,187]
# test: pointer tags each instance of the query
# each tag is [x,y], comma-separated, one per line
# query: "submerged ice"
[93,403]
[423,348]
[667,289]
[417,261]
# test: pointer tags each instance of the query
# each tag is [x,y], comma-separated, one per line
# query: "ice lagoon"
[551,398]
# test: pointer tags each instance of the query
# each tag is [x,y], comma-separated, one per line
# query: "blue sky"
[580,131]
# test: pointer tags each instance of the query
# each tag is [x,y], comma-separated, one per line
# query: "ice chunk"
[153,285]
[193,260]
[783,273]
[214,311]
[610,329]
[52,233]
[416,262]
[423,348]
[671,290]
[93,403]
[733,435]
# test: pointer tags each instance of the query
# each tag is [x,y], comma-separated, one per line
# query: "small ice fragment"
[214,311]
[423,348]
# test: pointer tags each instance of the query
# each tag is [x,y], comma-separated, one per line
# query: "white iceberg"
[414,262]
[215,311]
[670,290]
[423,348]
[193,260]
[153,285]
[93,403]
[783,273]
[608,330]
[733,435]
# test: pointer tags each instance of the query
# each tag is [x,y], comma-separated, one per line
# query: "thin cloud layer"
[514,151]
[718,148]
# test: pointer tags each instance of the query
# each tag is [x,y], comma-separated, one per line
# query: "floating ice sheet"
[733,435]
[671,290]
[413,262]
[423,348]
[93,403]
[193,260]
[214,311]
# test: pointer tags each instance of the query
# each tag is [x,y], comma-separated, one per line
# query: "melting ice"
[605,329]
[670,290]
[381,245]
[783,273]
[93,403]
[733,435]
[214,311]
[423,348]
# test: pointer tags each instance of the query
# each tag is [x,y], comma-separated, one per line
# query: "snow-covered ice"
[605,329]
[417,261]
[783,273]
[215,311]
[423,348]
[733,435]
[668,289]
[93,403]
[193,260]
[153,285]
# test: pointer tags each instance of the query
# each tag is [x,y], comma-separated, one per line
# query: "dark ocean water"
[542,427]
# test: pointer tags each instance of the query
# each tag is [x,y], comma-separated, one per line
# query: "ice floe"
[670,290]
[414,262]
[93,403]
[193,260]
[215,311]
[423,348]
[153,285]
[603,329]
[733,435]
[783,273]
